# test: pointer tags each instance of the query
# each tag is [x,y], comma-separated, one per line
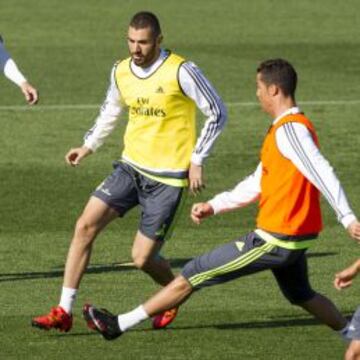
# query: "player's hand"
[196,183]
[344,278]
[201,211]
[354,230]
[30,93]
[74,156]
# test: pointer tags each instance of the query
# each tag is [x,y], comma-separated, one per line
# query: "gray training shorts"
[125,188]
[354,328]
[248,255]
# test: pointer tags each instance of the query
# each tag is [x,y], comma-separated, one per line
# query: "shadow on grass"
[106,268]
[92,269]
[268,324]
[74,334]
[234,326]
[321,254]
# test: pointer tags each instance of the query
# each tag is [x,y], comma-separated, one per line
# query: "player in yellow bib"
[161,157]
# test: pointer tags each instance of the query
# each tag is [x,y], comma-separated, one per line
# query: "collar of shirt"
[145,72]
[291,111]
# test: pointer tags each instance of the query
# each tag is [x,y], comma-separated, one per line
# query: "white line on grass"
[311,103]
[228,104]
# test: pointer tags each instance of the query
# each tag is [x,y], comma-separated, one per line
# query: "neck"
[281,106]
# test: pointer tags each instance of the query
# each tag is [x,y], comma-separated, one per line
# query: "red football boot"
[58,318]
[162,320]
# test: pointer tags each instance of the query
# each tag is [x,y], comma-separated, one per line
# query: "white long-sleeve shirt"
[9,67]
[295,142]
[194,85]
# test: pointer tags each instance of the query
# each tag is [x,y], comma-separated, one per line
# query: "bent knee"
[300,298]
[182,284]
[85,231]
[142,262]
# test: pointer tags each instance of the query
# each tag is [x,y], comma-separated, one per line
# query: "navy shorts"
[125,188]
[248,255]
[354,328]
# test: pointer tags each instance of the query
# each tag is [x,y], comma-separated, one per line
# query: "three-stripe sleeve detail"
[212,100]
[311,168]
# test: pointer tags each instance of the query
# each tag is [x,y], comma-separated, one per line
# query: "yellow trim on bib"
[290,245]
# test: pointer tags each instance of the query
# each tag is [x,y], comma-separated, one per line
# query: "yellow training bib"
[160,135]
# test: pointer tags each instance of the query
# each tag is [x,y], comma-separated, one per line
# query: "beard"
[145,60]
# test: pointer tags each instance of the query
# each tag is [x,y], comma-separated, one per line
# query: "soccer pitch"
[67,50]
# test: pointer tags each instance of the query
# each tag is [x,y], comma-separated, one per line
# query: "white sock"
[132,318]
[343,333]
[68,296]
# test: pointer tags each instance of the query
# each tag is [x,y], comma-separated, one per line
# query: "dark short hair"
[144,19]
[280,73]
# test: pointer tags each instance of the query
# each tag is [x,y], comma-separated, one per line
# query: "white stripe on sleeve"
[295,142]
[198,88]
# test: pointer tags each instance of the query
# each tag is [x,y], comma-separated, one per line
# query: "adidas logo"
[159,90]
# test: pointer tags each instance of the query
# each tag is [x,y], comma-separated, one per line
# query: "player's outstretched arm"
[344,278]
[30,93]
[74,156]
[201,211]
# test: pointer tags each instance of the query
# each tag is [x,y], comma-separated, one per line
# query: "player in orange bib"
[287,183]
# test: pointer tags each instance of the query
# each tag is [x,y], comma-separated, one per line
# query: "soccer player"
[12,72]
[287,182]
[343,280]
[160,158]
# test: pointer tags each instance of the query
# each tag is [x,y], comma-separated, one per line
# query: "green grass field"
[67,50]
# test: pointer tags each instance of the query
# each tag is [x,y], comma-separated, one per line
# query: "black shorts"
[248,255]
[125,188]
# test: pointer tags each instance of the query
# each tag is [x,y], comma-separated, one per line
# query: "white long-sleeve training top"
[9,67]
[295,143]
[195,86]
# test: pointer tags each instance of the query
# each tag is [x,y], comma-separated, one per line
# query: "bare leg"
[169,297]
[144,253]
[325,311]
[94,218]
[353,351]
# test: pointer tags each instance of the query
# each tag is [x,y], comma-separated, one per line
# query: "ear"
[159,39]
[273,90]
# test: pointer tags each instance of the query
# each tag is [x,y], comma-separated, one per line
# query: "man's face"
[263,93]
[143,46]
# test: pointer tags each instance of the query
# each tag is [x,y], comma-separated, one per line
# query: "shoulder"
[291,126]
[175,58]
[299,118]
[190,71]
[293,132]
[120,63]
